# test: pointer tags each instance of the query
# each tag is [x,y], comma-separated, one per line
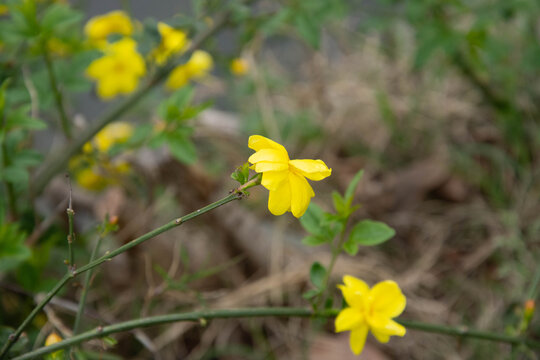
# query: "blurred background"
[436,100]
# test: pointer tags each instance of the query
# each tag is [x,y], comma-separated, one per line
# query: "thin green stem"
[56,163]
[532,292]
[10,190]
[236,194]
[465,332]
[58,98]
[70,238]
[204,315]
[336,250]
[86,285]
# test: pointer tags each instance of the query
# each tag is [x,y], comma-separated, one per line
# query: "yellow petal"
[258,142]
[270,166]
[381,337]
[358,339]
[354,291]
[301,194]
[386,326]
[200,63]
[107,88]
[312,169]
[279,200]
[349,318]
[270,155]
[272,179]
[178,78]
[387,299]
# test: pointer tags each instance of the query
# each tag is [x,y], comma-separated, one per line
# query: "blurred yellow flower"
[284,178]
[58,47]
[197,67]
[112,134]
[4,10]
[119,70]
[173,41]
[53,338]
[370,309]
[239,66]
[100,27]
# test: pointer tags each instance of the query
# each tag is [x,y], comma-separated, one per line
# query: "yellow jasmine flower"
[53,338]
[119,70]
[115,133]
[239,66]
[172,42]
[370,309]
[58,47]
[115,22]
[286,179]
[4,10]
[197,67]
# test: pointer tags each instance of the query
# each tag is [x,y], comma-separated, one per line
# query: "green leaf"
[311,293]
[15,175]
[339,202]
[241,174]
[317,274]
[308,29]
[12,248]
[59,17]
[312,219]
[315,240]
[369,233]
[349,193]
[350,247]
[183,150]
[19,119]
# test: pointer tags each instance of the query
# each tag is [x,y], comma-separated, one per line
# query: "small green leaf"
[15,175]
[308,29]
[339,203]
[350,247]
[12,248]
[311,294]
[241,174]
[369,233]
[315,240]
[349,193]
[317,273]
[181,146]
[312,219]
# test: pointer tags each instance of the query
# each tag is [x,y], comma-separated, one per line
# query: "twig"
[236,194]
[71,234]
[204,315]
[66,127]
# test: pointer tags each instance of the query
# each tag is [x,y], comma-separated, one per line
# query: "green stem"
[58,99]
[465,332]
[86,285]
[236,194]
[336,250]
[204,315]
[56,163]
[532,292]
[70,238]
[10,190]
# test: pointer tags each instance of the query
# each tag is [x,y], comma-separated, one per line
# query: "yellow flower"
[239,66]
[197,67]
[53,338]
[114,22]
[115,133]
[4,10]
[286,179]
[119,70]
[172,42]
[58,47]
[370,309]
